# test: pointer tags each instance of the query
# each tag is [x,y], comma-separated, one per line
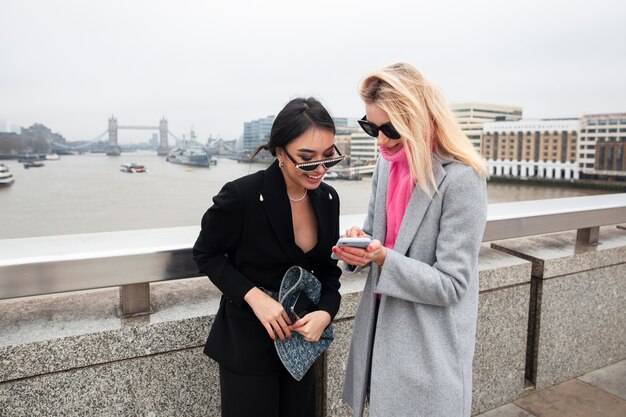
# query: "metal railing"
[132,259]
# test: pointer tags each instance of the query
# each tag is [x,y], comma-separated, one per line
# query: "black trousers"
[272,395]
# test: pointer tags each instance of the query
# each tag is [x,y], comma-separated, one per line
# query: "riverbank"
[619,186]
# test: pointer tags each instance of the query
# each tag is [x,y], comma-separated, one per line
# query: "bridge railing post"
[135,300]
[588,236]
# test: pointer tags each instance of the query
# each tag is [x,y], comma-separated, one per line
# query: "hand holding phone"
[355,242]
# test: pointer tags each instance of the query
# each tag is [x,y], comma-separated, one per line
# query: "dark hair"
[298,116]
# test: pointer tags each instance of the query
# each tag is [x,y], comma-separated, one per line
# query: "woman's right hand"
[375,252]
[355,231]
[270,313]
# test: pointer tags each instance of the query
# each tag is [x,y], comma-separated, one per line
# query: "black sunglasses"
[312,165]
[372,129]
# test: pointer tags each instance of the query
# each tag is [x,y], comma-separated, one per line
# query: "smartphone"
[355,242]
[302,306]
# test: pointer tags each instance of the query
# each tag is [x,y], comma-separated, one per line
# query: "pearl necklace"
[298,199]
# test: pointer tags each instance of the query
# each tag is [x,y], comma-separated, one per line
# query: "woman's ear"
[280,155]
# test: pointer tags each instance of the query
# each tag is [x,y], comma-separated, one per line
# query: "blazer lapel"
[323,214]
[415,211]
[278,210]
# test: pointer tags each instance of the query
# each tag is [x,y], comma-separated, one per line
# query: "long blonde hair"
[419,113]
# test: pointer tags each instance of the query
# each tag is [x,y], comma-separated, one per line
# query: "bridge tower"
[113,149]
[163,148]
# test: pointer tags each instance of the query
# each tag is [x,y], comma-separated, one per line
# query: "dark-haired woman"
[258,227]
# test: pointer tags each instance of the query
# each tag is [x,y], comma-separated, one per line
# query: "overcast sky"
[212,65]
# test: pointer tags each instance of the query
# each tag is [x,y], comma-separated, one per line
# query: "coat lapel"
[278,210]
[415,211]
[379,229]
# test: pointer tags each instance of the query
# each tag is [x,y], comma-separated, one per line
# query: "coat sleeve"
[220,234]
[461,229]
[328,273]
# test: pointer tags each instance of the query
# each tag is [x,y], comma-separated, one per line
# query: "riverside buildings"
[532,148]
[590,147]
[602,146]
[256,133]
[472,116]
[363,148]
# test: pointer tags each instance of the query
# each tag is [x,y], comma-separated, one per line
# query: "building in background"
[343,141]
[256,133]
[532,148]
[35,139]
[472,116]
[40,133]
[363,149]
[154,140]
[350,122]
[602,146]
[8,127]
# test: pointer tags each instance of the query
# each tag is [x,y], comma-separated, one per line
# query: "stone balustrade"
[550,308]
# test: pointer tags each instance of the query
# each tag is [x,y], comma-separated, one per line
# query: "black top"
[247,240]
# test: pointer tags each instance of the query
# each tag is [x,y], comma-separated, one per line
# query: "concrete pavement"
[601,393]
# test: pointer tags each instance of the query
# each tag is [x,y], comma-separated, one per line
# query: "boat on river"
[342,175]
[132,168]
[6,178]
[190,153]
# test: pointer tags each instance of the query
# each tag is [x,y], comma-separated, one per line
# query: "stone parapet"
[578,300]
[499,358]
[43,335]
[73,354]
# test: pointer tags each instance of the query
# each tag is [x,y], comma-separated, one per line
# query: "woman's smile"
[393,149]
[314,179]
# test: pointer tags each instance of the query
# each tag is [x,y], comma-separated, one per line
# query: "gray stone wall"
[177,383]
[500,355]
[579,298]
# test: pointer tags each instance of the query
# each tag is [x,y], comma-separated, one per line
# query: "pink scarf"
[399,191]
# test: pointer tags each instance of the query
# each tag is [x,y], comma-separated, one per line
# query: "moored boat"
[191,153]
[31,157]
[33,164]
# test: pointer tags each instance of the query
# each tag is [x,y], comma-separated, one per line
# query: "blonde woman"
[413,340]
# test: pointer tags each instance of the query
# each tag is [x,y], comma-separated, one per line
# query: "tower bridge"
[112,147]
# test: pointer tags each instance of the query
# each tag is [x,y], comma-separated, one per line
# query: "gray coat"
[424,345]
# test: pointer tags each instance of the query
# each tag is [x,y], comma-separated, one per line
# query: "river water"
[88,193]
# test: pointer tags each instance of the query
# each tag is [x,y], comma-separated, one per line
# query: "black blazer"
[247,240]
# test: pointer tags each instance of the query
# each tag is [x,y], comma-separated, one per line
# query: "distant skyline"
[70,64]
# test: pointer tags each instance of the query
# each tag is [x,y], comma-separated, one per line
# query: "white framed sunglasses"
[311,166]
